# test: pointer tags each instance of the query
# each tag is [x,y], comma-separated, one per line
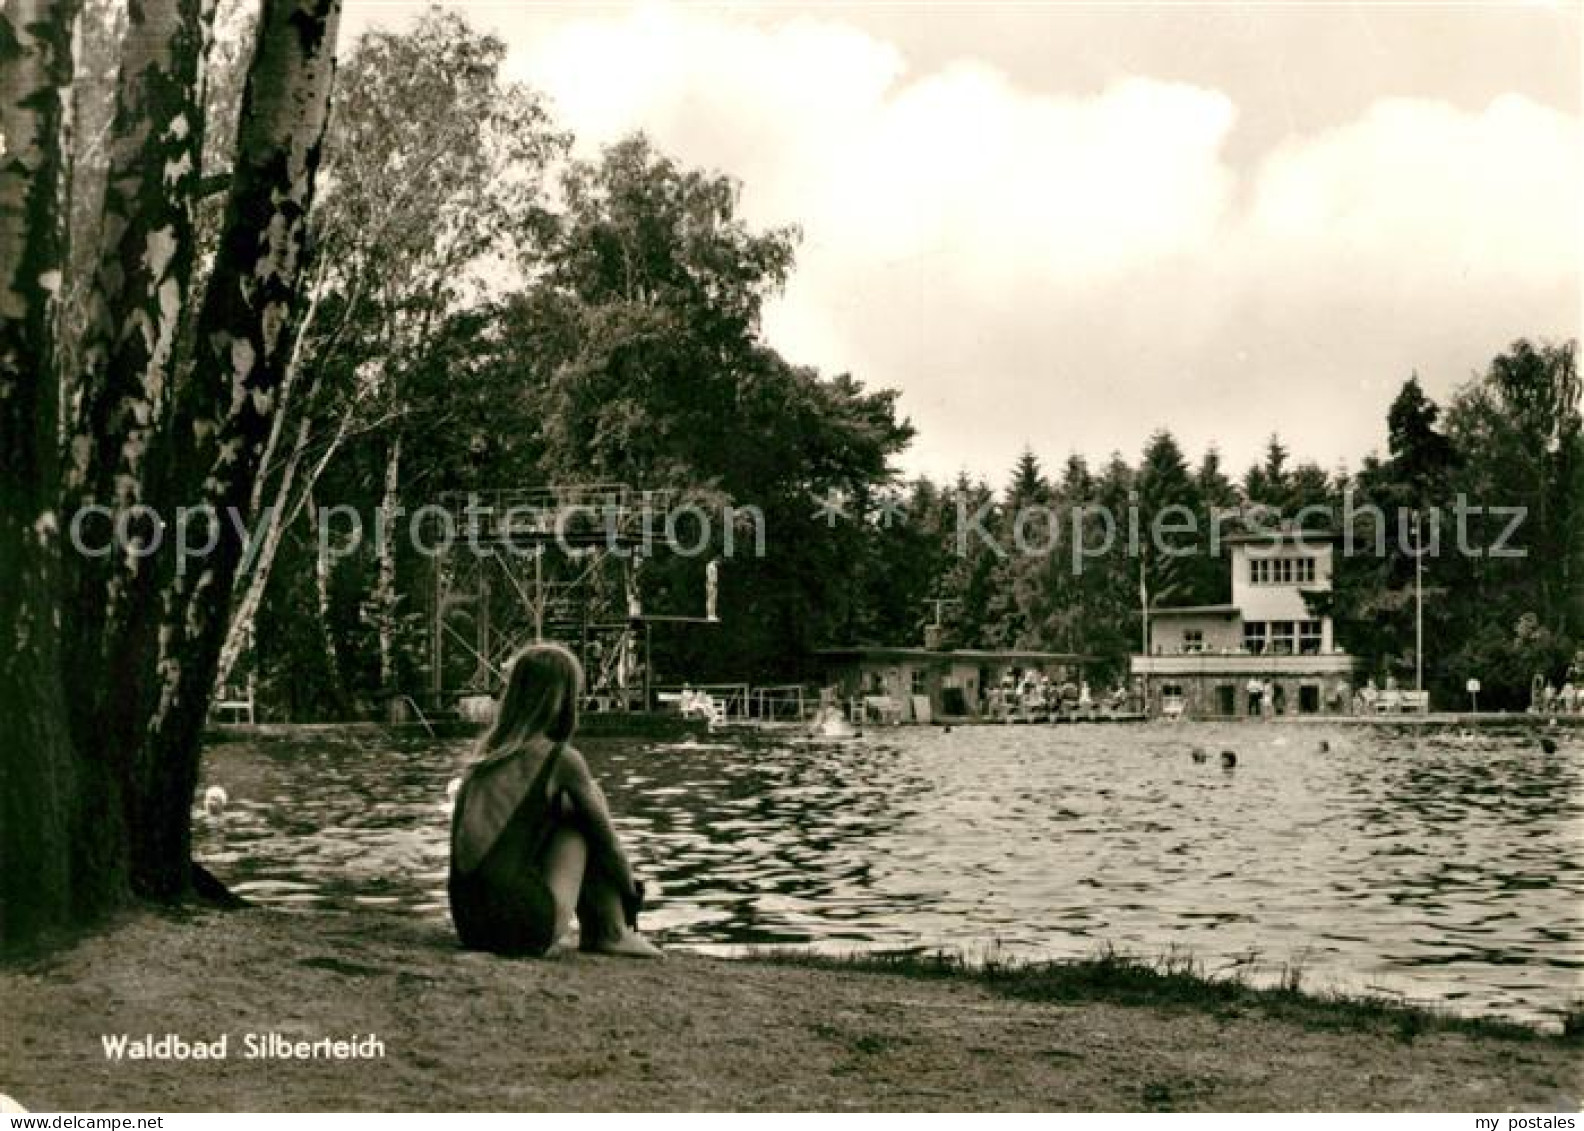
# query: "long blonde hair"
[543,684]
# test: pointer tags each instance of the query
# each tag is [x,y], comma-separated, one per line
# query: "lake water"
[1443,869]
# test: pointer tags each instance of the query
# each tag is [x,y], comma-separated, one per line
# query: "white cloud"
[1076,271]
[1494,194]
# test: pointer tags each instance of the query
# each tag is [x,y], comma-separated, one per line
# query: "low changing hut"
[925,684]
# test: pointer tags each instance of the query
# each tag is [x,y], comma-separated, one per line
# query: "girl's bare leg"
[565,862]
[602,921]
[583,890]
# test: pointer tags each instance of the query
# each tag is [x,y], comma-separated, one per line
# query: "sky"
[1062,227]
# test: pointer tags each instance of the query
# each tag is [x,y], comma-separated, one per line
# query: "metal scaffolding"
[563,564]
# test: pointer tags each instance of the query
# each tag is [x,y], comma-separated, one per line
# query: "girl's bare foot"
[629,944]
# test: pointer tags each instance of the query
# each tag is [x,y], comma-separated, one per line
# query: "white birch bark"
[385,595]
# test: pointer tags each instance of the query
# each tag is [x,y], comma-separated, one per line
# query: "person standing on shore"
[532,843]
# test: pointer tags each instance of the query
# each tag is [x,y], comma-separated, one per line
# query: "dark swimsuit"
[504,905]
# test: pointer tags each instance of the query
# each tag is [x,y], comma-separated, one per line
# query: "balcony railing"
[1193,663]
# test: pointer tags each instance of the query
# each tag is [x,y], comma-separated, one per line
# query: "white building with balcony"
[1262,654]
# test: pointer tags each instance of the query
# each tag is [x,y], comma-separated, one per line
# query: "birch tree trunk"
[284,402]
[239,628]
[279,517]
[98,787]
[37,779]
[323,565]
[385,596]
[287,507]
[221,422]
[134,309]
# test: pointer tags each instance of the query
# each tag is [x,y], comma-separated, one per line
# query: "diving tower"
[551,563]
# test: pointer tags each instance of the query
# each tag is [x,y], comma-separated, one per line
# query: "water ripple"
[1450,872]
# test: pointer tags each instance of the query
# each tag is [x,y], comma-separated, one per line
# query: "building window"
[1193,640]
[1282,638]
[1281,571]
[1254,637]
[1309,637]
[918,682]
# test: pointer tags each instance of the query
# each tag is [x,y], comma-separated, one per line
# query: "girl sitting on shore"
[532,842]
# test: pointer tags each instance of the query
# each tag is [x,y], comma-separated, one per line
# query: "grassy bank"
[471,1031]
[1180,982]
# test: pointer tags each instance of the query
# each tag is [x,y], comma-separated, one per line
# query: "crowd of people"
[1547,698]
[1034,692]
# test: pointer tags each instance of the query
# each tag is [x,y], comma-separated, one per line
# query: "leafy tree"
[435,171]
[437,168]
[646,322]
[816,584]
[1511,440]
[1517,433]
[640,361]
[1520,427]
[1393,504]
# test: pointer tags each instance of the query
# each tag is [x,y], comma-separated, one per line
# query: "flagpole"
[1144,632]
[1144,607]
[1418,604]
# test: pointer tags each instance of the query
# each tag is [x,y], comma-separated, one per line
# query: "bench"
[1402,702]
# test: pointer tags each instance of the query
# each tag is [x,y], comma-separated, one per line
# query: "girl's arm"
[595,817]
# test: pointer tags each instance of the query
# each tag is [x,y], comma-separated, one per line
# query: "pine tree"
[1028,482]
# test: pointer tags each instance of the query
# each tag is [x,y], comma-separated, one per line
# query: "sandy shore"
[469,1031]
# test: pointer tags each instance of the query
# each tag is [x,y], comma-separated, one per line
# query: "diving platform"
[564,563]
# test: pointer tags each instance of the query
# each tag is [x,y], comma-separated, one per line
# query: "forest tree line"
[486,311]
[1486,494]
